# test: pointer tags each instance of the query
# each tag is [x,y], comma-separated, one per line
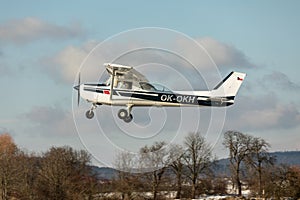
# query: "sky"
[43,46]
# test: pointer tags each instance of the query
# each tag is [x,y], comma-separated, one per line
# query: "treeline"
[59,173]
[186,169]
[189,170]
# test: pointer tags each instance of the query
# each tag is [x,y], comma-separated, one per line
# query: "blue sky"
[42,45]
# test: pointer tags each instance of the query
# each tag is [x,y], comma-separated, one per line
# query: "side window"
[124,85]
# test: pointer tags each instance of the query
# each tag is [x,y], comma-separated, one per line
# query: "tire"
[122,114]
[128,118]
[89,114]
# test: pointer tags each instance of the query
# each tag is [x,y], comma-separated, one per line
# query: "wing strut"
[112,83]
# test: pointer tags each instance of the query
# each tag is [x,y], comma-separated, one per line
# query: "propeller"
[77,87]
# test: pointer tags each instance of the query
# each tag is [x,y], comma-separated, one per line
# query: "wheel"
[128,118]
[89,114]
[122,113]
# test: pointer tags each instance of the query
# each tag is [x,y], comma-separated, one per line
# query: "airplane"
[128,87]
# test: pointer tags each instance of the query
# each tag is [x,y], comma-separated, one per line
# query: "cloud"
[281,116]
[279,80]
[21,31]
[64,64]
[208,51]
[50,120]
[264,112]
[225,55]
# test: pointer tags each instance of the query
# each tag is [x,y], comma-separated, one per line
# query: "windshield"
[161,88]
[147,86]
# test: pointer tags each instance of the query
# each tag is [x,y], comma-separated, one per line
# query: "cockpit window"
[147,86]
[124,85]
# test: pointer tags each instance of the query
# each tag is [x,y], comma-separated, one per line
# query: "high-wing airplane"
[128,87]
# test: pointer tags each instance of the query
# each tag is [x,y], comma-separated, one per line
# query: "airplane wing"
[119,69]
[125,72]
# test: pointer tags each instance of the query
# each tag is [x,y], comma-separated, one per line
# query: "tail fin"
[230,85]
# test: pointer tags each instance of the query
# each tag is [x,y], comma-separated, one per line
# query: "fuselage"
[98,93]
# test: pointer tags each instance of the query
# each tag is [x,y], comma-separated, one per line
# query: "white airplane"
[127,87]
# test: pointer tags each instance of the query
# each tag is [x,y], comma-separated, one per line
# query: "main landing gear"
[122,114]
[126,114]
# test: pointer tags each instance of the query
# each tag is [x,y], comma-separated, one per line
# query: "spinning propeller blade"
[77,87]
[78,93]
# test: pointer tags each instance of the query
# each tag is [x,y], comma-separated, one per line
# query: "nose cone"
[76,87]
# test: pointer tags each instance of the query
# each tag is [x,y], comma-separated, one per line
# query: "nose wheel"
[125,115]
[90,113]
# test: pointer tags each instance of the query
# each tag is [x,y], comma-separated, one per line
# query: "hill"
[287,157]
[291,158]
[282,157]
[105,173]
[221,167]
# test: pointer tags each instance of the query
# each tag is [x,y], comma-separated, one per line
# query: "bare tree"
[8,166]
[64,174]
[128,179]
[258,158]
[154,159]
[28,173]
[293,178]
[7,145]
[239,146]
[198,157]
[177,165]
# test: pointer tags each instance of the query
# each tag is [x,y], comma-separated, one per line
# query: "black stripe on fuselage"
[177,98]
[95,84]
[93,90]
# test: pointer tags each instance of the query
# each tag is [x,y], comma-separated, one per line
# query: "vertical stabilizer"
[230,85]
